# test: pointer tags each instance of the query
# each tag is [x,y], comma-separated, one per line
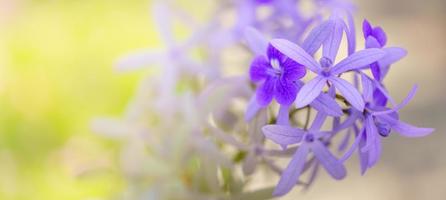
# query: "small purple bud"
[383,129]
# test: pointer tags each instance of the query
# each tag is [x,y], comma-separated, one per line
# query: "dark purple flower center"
[309,137]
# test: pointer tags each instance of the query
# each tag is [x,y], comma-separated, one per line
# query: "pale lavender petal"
[250,163]
[345,141]
[296,53]
[265,92]
[371,42]
[401,105]
[163,21]
[367,87]
[252,109]
[393,54]
[349,92]
[256,41]
[285,92]
[325,103]
[283,135]
[375,152]
[350,121]
[317,36]
[371,133]
[333,166]
[283,117]
[259,69]
[313,176]
[350,151]
[310,91]
[363,156]
[139,60]
[358,60]
[406,129]
[332,43]
[318,121]
[351,34]
[293,171]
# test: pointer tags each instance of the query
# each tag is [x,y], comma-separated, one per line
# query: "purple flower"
[378,122]
[310,141]
[277,74]
[375,37]
[327,73]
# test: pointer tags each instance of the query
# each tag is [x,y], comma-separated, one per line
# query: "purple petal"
[380,35]
[283,135]
[283,117]
[351,34]
[292,173]
[332,43]
[358,60]
[367,87]
[349,92]
[286,92]
[375,152]
[371,133]
[350,121]
[252,109]
[366,28]
[292,70]
[296,53]
[259,69]
[318,121]
[393,54]
[350,151]
[401,105]
[376,71]
[265,92]
[256,41]
[163,21]
[274,53]
[363,156]
[317,36]
[335,168]
[325,103]
[345,141]
[310,91]
[371,42]
[406,129]
[379,98]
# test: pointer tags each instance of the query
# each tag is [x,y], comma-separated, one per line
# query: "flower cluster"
[197,128]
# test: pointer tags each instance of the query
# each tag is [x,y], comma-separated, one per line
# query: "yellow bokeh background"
[56,73]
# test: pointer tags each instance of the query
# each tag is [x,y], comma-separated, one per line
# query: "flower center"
[277,69]
[309,137]
[326,63]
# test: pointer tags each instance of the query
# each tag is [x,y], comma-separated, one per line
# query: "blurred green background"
[56,74]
